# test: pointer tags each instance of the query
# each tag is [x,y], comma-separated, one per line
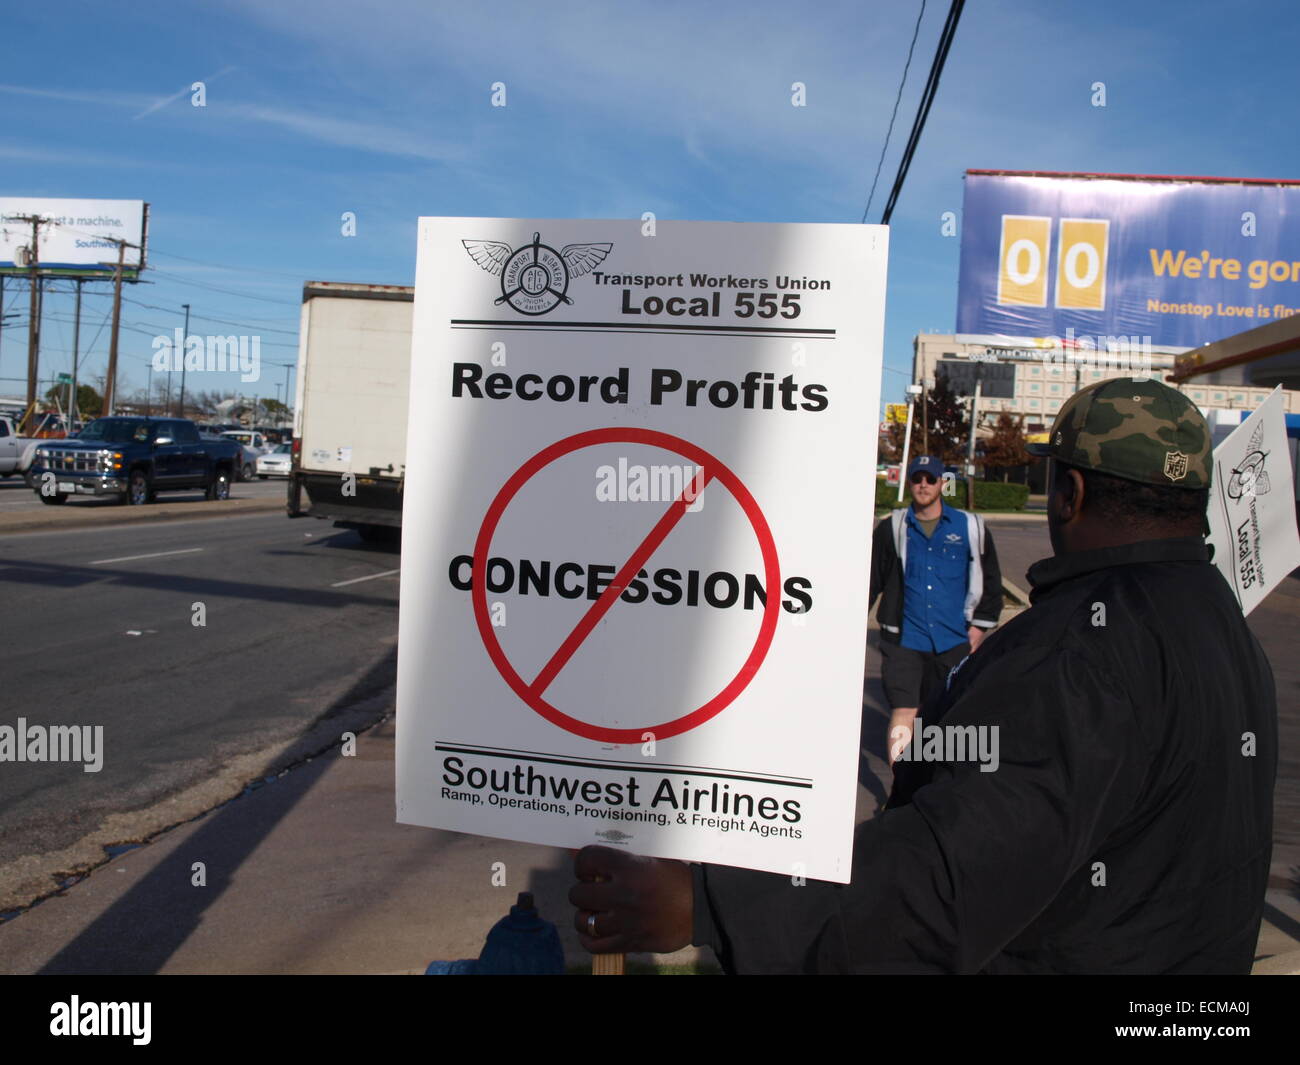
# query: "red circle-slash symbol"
[711,469]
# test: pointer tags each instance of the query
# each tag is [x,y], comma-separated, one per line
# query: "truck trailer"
[349,431]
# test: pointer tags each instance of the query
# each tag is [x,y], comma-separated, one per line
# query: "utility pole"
[34,314]
[110,382]
[184,344]
[925,415]
[912,392]
[73,405]
[287,367]
[970,445]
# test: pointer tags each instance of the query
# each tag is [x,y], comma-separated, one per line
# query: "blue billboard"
[1183,261]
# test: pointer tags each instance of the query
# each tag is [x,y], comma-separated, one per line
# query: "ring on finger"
[591,925]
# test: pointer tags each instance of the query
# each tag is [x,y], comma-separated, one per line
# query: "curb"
[107,516]
[992,516]
[1019,601]
[1287,964]
[1018,594]
[1012,515]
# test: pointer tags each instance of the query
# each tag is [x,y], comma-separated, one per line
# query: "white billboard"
[71,232]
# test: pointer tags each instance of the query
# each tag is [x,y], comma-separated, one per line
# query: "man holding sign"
[1127,825]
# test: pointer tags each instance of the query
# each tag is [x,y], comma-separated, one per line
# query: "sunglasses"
[928,478]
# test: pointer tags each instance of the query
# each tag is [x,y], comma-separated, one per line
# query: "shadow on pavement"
[875,723]
[60,575]
[142,930]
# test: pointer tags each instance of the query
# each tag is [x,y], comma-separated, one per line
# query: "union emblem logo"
[535,279]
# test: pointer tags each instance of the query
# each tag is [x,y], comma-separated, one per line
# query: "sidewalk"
[83,516]
[307,874]
[310,873]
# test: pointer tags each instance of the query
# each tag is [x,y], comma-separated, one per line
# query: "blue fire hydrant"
[520,944]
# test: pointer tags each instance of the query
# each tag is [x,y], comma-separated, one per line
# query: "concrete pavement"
[21,511]
[308,873]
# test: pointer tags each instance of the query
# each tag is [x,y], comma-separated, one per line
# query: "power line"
[253,323]
[206,318]
[885,147]
[152,329]
[923,110]
[223,266]
[178,280]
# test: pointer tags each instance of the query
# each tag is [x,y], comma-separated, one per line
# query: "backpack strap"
[898,518]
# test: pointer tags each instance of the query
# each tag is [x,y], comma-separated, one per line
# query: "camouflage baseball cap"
[1140,430]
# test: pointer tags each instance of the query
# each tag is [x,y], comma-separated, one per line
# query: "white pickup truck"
[16,451]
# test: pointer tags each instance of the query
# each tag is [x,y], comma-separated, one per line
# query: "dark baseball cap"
[925,464]
[1140,430]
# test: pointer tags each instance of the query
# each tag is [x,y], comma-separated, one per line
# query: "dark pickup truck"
[133,459]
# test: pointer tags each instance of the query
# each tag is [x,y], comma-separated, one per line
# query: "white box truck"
[349,425]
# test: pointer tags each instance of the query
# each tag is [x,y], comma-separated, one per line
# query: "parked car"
[251,439]
[248,456]
[277,464]
[133,458]
[16,452]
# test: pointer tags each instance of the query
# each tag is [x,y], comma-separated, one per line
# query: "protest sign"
[638,507]
[1252,505]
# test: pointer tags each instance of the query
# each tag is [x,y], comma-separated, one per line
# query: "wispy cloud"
[670,70]
[184,90]
[73,96]
[346,133]
[362,135]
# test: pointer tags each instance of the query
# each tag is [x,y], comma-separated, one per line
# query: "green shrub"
[887,495]
[989,495]
[995,495]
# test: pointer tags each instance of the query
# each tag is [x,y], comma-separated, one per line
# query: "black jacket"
[1127,828]
[984,600]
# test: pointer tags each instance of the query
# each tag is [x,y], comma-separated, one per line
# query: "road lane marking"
[135,558]
[372,577]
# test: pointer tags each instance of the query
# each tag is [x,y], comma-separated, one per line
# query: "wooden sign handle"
[607,964]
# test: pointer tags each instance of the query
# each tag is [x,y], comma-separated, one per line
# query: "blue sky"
[383,109]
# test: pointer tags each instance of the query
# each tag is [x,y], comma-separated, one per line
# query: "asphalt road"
[97,628]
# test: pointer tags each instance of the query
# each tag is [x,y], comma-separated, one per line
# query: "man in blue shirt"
[936,570]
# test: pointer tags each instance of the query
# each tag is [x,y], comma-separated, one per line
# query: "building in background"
[1032,378]
[1255,361]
